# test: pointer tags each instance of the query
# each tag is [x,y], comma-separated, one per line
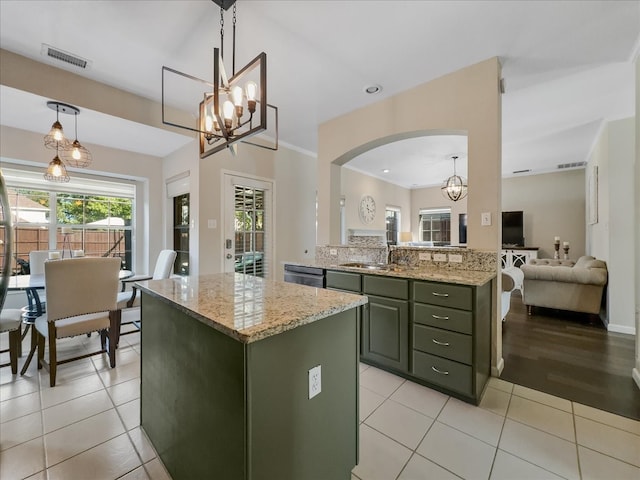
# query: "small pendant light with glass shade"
[455,187]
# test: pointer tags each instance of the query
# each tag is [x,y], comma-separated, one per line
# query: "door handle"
[438,317]
[436,294]
[444,344]
[229,256]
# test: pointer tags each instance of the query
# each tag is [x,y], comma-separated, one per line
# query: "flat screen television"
[513,229]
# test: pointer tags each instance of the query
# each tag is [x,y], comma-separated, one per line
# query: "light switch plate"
[424,256]
[211,223]
[486,219]
[315,381]
[439,257]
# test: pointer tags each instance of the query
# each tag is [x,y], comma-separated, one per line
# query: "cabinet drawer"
[443,372]
[443,317]
[451,345]
[344,281]
[443,294]
[385,287]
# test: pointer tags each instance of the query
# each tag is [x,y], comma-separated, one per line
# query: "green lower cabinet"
[214,407]
[385,332]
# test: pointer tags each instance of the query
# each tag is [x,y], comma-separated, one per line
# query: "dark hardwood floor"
[570,355]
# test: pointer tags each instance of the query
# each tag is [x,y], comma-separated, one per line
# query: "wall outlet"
[424,256]
[212,223]
[315,381]
[455,258]
[439,257]
[485,219]
[333,251]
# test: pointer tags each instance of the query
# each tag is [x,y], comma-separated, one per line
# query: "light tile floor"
[87,427]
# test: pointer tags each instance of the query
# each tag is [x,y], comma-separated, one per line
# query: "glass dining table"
[31,285]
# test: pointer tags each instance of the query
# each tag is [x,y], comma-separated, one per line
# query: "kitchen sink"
[367,266]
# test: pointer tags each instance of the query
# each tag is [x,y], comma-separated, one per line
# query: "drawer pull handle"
[439,317]
[444,344]
[436,294]
[439,371]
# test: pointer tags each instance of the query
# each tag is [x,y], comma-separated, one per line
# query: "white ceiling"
[567,67]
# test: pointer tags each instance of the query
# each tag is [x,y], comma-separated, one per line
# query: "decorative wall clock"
[367,209]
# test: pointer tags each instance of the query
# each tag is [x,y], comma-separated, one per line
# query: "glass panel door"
[247,226]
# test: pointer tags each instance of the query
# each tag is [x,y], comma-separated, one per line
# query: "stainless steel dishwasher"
[304,275]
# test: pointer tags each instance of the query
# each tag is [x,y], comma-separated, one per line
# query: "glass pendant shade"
[56,171]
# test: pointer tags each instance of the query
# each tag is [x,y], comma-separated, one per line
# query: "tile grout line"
[504,421]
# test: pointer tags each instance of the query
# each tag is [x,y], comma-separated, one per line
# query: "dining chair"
[82,298]
[131,298]
[11,322]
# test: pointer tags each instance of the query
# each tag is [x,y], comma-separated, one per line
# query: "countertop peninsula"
[249,308]
[414,272]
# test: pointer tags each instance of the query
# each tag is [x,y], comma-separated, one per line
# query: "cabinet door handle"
[436,294]
[444,344]
[439,371]
[438,317]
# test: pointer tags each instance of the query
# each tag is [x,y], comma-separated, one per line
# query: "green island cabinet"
[432,332]
[217,407]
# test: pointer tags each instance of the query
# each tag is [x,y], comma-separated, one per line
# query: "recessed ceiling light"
[372,89]
[386,170]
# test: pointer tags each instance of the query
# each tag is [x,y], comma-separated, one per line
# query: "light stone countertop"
[434,274]
[429,273]
[249,308]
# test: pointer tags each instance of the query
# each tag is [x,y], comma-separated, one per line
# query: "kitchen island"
[226,378]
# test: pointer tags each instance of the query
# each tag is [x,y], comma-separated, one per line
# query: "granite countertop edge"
[260,332]
[475,278]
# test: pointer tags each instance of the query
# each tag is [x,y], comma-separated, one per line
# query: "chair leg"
[114,335]
[14,344]
[103,340]
[40,340]
[53,359]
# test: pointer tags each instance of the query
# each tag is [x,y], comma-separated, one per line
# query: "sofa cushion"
[587,271]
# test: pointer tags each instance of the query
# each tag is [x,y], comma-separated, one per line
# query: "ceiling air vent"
[66,57]
[572,165]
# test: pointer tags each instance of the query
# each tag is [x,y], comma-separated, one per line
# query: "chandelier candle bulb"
[566,244]
[556,239]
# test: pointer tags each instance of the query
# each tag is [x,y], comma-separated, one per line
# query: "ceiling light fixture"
[234,108]
[56,171]
[372,89]
[454,187]
[73,153]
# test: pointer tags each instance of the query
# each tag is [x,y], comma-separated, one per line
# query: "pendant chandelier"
[231,109]
[73,154]
[455,187]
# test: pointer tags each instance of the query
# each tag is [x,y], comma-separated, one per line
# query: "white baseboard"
[612,327]
[497,370]
[636,377]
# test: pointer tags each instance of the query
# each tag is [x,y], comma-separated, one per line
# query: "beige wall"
[294,202]
[26,148]
[355,185]
[431,197]
[466,102]
[636,370]
[553,205]
[612,238]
